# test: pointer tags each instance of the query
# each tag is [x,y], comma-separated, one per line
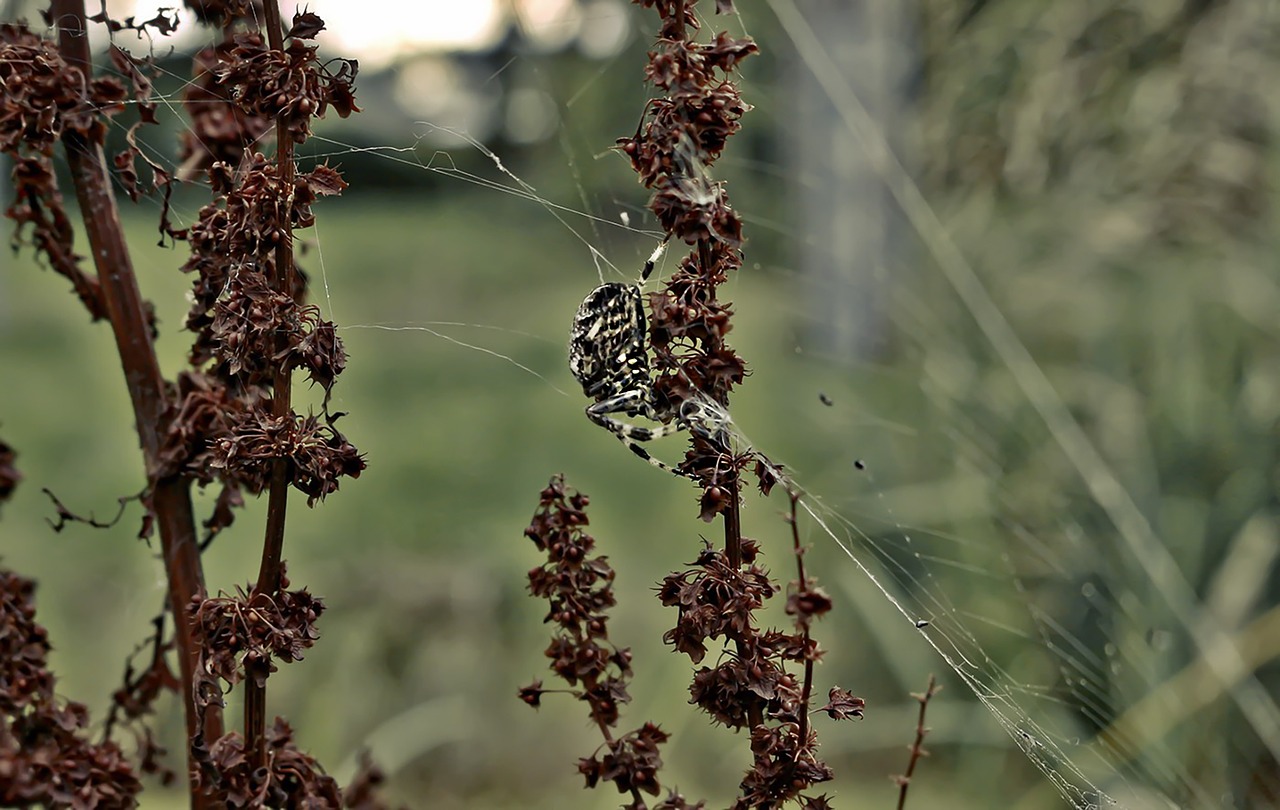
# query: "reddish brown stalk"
[732,522]
[732,514]
[733,550]
[269,572]
[803,582]
[123,302]
[281,405]
[917,747]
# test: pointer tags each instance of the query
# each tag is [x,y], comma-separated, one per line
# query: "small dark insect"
[922,624]
[859,464]
[608,356]
[824,399]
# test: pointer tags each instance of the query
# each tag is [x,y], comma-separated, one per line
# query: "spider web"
[968,516]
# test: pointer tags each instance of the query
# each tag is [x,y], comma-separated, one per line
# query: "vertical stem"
[170,494]
[269,572]
[732,522]
[733,529]
[732,516]
[283,281]
[917,747]
[733,550]
[803,585]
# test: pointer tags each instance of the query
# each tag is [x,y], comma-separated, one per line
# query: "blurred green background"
[1104,168]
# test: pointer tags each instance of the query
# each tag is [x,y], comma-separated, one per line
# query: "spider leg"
[653,259]
[628,434]
[644,454]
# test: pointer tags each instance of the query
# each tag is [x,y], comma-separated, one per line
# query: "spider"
[607,355]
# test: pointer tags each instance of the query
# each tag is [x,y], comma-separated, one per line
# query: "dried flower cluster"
[248,631]
[717,601]
[684,132]
[578,589]
[290,86]
[45,758]
[220,130]
[672,152]
[248,332]
[46,99]
[251,327]
[292,778]
[227,420]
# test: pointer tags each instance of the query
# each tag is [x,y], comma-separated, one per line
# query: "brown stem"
[170,494]
[803,585]
[282,280]
[269,571]
[917,747]
[733,550]
[732,516]
[733,525]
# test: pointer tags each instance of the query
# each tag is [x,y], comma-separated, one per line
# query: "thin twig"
[917,747]
[803,585]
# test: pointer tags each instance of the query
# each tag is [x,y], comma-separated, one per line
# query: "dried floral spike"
[45,756]
[578,588]
[292,85]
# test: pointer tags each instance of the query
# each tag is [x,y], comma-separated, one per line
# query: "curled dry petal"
[843,705]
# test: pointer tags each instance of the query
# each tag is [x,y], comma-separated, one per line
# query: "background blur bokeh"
[1045,319]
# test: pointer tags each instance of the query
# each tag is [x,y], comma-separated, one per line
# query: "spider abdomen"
[609,357]
[607,352]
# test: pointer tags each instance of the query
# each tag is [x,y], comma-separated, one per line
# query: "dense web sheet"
[947,468]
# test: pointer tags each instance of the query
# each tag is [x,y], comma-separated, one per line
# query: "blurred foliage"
[1109,169]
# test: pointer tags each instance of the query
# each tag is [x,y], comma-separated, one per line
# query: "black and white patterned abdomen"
[607,352]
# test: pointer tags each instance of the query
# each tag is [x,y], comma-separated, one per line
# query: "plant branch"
[120,296]
[803,586]
[269,572]
[732,514]
[281,405]
[917,747]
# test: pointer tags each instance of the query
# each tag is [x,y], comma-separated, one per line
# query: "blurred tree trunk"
[852,229]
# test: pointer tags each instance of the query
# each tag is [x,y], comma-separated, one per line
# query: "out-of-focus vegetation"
[1109,169]
[1105,167]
